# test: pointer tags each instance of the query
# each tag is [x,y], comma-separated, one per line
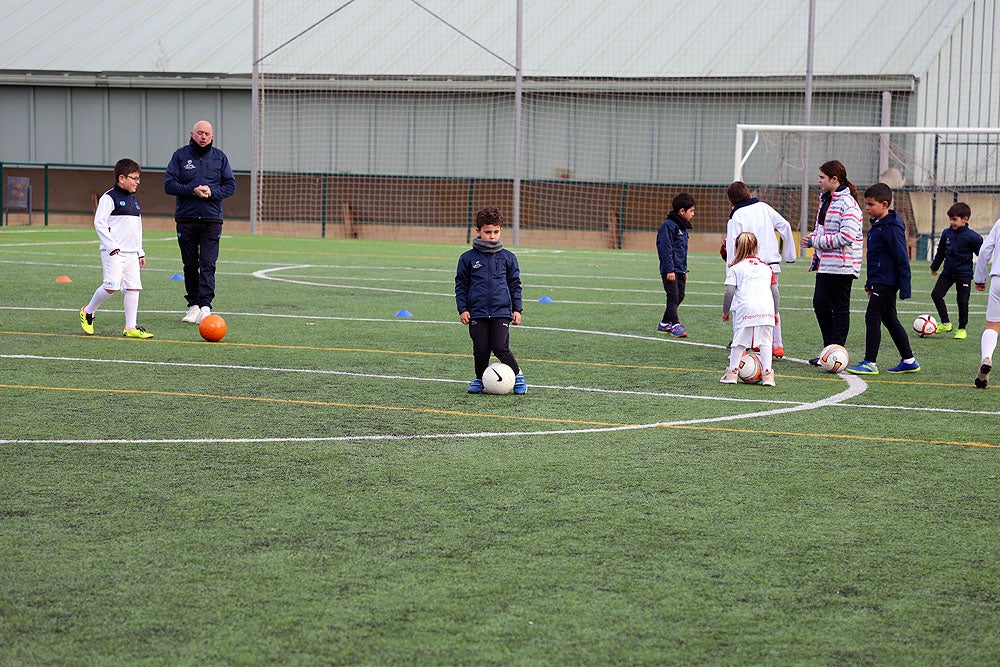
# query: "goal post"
[931,167]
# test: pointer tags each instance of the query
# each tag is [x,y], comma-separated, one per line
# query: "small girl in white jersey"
[751,295]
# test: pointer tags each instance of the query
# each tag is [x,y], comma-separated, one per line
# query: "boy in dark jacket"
[672,248]
[488,296]
[957,246]
[888,272]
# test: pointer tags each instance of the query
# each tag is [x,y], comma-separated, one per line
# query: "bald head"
[202,133]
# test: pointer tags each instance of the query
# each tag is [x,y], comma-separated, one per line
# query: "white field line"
[856,386]
[266,274]
[378,376]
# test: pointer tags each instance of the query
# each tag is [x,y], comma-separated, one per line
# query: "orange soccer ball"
[212,328]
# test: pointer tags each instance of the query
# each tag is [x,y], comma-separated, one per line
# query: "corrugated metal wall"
[97,126]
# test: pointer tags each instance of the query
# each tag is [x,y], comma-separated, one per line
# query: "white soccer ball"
[925,325]
[750,369]
[834,358]
[498,378]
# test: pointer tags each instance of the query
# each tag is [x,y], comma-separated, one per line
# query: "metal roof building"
[944,51]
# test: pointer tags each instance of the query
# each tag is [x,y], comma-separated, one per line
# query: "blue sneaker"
[520,386]
[663,328]
[678,331]
[476,386]
[903,367]
[864,368]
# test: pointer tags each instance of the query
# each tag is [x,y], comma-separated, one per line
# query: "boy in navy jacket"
[672,249]
[957,246]
[888,272]
[488,296]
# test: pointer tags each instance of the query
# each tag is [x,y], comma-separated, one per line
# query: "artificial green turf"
[242,509]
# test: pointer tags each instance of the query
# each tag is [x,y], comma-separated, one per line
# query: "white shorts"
[758,336]
[121,271]
[993,305]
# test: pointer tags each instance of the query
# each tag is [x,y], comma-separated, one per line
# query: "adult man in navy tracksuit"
[200,177]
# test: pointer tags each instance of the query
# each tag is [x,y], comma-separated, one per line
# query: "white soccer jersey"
[762,221]
[119,222]
[753,303]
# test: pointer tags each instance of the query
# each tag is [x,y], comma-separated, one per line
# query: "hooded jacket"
[488,284]
[888,256]
[956,248]
[672,244]
[837,237]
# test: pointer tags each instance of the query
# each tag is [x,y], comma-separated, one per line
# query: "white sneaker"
[202,314]
[768,379]
[729,377]
[192,314]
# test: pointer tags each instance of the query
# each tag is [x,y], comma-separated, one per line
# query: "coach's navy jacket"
[192,166]
[956,248]
[488,284]
[888,257]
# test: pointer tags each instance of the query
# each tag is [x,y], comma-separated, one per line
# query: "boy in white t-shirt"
[749,301]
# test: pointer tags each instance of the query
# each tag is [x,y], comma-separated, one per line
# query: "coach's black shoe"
[814,361]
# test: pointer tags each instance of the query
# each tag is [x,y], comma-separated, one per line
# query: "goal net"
[929,169]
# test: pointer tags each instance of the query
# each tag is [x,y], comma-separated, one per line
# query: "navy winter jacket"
[956,248]
[191,166]
[488,284]
[672,244]
[888,257]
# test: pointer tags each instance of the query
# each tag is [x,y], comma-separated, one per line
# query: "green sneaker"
[86,322]
[944,327]
[138,332]
[960,334]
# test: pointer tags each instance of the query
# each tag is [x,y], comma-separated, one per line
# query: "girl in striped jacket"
[836,241]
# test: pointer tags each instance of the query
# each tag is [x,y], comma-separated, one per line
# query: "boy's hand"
[980,287]
[465,317]
[933,272]
[515,318]
[671,277]
[142,262]
[725,317]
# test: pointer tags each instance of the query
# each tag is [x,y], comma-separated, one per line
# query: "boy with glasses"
[119,227]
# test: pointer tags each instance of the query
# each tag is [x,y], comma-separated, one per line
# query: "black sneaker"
[983,378]
[814,361]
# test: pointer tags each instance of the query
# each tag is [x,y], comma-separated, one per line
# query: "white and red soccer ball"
[925,325]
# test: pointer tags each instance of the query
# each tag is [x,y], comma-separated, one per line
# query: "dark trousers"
[963,287]
[491,335]
[199,243]
[832,305]
[675,295]
[882,311]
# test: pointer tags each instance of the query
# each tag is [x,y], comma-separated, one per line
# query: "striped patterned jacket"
[837,239]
